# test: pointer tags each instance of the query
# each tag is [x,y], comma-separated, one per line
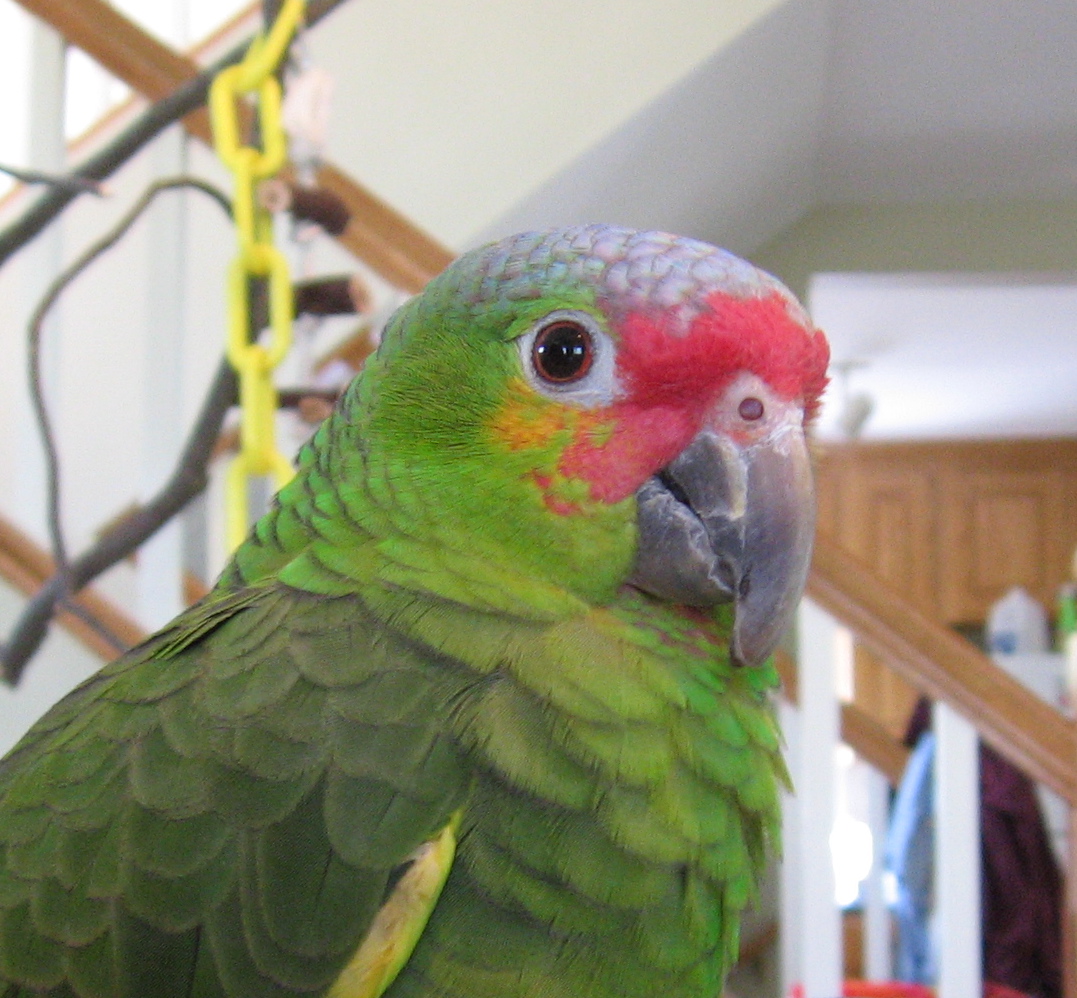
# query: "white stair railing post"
[38,263]
[957,856]
[817,925]
[878,963]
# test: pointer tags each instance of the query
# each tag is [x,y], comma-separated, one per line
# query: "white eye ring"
[594,384]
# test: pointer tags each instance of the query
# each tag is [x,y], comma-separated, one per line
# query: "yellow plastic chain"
[258,256]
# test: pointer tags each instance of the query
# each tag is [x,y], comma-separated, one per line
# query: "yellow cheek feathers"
[528,421]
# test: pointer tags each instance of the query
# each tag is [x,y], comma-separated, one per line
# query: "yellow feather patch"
[528,421]
[400,921]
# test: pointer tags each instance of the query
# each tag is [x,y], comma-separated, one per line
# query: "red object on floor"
[993,990]
[879,989]
[904,989]
[886,989]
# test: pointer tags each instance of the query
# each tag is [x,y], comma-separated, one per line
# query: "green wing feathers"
[226,810]
[220,811]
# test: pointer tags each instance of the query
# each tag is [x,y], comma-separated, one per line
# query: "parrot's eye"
[562,352]
[750,409]
[566,355]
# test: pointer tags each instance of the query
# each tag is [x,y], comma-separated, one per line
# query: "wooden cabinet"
[1000,529]
[953,525]
[883,515]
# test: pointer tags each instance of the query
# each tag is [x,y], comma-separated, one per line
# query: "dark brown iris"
[562,352]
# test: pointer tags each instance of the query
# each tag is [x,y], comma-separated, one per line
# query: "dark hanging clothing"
[1022,886]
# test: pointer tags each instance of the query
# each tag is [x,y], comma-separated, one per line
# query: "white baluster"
[160,559]
[957,855]
[877,928]
[38,263]
[821,641]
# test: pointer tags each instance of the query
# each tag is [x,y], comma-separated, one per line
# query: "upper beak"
[727,521]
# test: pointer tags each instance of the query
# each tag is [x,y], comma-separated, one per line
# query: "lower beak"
[725,522]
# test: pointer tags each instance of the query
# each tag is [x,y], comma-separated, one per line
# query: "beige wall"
[453,111]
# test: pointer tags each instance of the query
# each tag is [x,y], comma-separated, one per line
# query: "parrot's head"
[598,407]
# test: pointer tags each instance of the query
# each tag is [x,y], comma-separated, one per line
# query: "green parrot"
[481,707]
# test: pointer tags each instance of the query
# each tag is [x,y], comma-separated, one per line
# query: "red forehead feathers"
[757,335]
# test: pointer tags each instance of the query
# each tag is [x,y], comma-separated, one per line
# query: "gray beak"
[725,522]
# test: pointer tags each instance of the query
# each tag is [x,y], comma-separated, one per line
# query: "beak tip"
[742,658]
[758,629]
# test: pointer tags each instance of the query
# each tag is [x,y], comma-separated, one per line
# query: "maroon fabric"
[1022,887]
[919,722]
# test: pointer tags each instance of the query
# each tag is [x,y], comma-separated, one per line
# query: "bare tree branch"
[188,480]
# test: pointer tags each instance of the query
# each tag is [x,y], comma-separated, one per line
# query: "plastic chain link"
[258,256]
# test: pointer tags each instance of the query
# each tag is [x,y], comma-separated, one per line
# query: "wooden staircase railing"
[1023,728]
[859,730]
[26,566]
[1020,726]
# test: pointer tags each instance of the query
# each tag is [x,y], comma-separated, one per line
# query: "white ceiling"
[840,101]
[962,98]
[950,356]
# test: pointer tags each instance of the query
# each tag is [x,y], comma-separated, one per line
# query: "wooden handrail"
[26,566]
[377,234]
[1019,725]
[382,237]
[873,742]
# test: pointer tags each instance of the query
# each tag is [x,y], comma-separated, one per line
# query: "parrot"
[483,704]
